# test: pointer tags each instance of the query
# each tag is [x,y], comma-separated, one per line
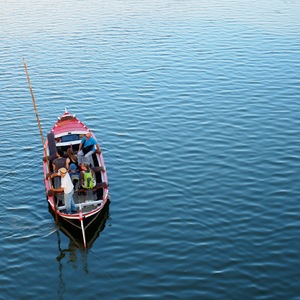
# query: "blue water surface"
[196,106]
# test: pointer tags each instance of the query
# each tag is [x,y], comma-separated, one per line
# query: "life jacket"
[88,180]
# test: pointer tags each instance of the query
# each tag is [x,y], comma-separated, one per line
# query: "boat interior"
[83,197]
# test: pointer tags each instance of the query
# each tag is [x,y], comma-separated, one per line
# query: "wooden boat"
[68,132]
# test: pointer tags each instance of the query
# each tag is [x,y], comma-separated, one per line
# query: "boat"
[66,133]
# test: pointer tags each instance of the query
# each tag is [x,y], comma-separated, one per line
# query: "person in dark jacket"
[60,161]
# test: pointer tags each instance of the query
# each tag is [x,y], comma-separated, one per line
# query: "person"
[68,188]
[71,158]
[87,177]
[58,140]
[75,176]
[60,161]
[87,148]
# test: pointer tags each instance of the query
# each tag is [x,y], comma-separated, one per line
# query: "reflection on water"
[72,256]
[62,254]
[76,255]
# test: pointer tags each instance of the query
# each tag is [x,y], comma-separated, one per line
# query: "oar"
[40,127]
[82,225]
[33,101]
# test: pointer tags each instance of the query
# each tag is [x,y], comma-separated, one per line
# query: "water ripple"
[196,108]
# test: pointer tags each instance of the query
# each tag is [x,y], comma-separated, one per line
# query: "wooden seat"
[98,186]
[98,169]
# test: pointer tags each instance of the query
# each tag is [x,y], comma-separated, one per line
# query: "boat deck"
[81,198]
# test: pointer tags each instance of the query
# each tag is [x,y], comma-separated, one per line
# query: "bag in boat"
[88,180]
[87,149]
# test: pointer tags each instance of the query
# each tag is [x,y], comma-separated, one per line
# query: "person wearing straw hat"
[68,188]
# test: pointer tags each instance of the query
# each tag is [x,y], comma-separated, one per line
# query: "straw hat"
[63,171]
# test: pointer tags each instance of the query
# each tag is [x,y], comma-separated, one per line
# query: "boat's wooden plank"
[83,204]
[98,169]
[75,142]
[99,185]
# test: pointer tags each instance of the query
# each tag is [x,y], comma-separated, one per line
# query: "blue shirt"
[88,142]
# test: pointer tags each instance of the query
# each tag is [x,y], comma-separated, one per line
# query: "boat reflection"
[75,254]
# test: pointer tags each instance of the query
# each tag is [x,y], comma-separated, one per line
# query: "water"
[196,105]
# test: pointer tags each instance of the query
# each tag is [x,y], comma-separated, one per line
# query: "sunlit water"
[196,105]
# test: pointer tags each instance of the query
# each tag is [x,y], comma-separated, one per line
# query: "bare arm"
[98,148]
[59,190]
[68,163]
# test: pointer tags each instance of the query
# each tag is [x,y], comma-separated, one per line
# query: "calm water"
[196,105]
